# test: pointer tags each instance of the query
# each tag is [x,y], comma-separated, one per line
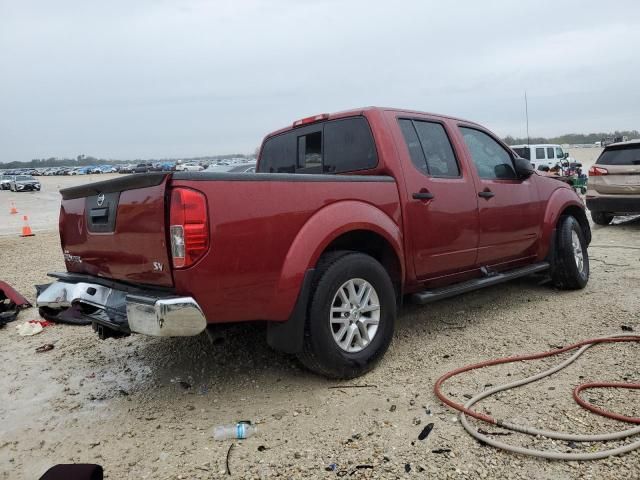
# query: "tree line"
[572,138]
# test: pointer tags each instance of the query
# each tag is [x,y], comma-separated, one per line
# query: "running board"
[428,296]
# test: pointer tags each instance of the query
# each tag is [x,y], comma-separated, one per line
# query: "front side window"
[430,148]
[540,154]
[559,153]
[550,151]
[491,160]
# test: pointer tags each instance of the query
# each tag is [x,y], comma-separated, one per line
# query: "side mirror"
[523,167]
[566,155]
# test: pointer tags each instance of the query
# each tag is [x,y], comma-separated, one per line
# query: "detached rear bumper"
[136,310]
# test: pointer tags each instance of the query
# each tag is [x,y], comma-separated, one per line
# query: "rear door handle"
[486,194]
[423,196]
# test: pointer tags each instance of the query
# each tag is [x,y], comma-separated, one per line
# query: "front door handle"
[486,194]
[423,195]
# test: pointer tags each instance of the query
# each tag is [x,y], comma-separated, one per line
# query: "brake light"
[188,227]
[597,171]
[308,120]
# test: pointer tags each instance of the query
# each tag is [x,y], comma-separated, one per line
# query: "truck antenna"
[526,111]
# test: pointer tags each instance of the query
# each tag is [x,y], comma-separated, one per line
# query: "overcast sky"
[151,79]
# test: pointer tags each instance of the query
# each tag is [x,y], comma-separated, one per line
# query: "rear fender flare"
[316,235]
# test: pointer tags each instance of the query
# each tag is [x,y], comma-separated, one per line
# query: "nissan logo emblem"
[100,199]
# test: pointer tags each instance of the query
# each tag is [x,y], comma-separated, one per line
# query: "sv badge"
[158,267]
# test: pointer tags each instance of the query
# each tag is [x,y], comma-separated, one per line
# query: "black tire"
[601,218]
[566,273]
[320,352]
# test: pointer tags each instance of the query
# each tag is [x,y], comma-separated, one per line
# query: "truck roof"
[363,110]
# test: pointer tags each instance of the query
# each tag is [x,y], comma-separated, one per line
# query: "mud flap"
[287,336]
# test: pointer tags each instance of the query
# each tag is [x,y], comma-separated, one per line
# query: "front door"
[510,212]
[440,216]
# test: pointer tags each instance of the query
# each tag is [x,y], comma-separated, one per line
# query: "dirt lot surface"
[144,407]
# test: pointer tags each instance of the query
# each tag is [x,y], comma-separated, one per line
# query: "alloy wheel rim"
[578,255]
[354,315]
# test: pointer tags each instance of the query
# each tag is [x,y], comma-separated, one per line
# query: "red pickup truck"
[347,215]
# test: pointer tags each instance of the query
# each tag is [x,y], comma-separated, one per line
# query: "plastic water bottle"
[238,431]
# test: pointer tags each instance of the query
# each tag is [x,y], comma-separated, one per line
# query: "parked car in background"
[143,168]
[126,168]
[5,182]
[614,182]
[189,167]
[24,183]
[546,154]
[348,214]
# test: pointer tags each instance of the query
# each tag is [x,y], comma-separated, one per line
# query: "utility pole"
[526,111]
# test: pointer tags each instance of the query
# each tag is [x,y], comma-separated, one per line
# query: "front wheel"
[571,266]
[351,318]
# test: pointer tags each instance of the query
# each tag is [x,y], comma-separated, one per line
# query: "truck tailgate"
[116,229]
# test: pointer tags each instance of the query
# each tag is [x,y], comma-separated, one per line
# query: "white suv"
[547,154]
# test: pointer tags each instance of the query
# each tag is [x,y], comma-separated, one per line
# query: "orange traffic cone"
[26,229]
[13,209]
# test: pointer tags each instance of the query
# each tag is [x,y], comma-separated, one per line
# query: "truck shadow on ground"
[240,352]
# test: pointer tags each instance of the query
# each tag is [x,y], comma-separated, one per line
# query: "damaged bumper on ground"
[117,308]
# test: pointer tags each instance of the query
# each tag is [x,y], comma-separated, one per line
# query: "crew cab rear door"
[440,214]
[509,209]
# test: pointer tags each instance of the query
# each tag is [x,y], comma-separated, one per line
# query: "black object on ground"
[626,328]
[441,450]
[425,431]
[228,455]
[79,471]
[11,302]
[353,386]
[44,348]
[497,434]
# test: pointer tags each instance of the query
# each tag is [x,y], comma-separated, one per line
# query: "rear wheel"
[601,218]
[351,317]
[571,269]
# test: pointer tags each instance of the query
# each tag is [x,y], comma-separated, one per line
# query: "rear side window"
[540,154]
[430,148]
[491,160]
[550,155]
[620,156]
[336,146]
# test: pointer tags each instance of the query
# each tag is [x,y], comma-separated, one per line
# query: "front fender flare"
[558,202]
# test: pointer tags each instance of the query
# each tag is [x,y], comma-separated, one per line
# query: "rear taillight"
[188,226]
[597,171]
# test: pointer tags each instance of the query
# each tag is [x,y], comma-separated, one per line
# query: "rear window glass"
[336,146]
[620,156]
[550,152]
[348,146]
[539,153]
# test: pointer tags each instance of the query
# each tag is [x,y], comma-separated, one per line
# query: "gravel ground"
[144,407]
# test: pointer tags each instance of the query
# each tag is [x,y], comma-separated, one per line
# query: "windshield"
[24,177]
